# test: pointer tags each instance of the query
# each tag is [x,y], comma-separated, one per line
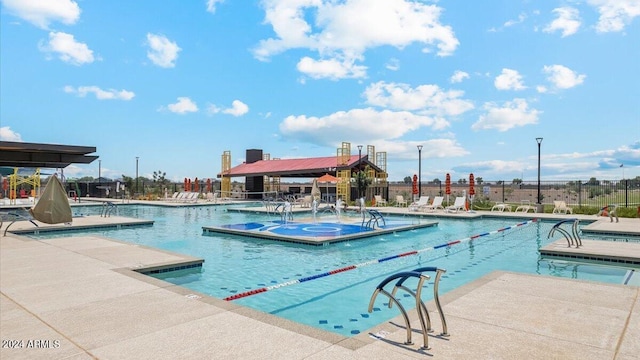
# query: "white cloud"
[458,76]
[362,125]
[331,68]
[509,80]
[183,106]
[427,99]
[6,134]
[162,51]
[520,19]
[615,14]
[43,12]
[562,77]
[68,49]
[567,21]
[211,5]
[238,108]
[541,89]
[393,64]
[335,34]
[512,114]
[100,94]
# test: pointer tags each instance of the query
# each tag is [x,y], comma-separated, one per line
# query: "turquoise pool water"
[337,303]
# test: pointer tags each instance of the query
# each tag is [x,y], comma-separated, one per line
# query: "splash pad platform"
[320,232]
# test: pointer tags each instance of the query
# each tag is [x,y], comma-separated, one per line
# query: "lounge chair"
[172,198]
[380,201]
[459,204]
[422,202]
[525,206]
[501,207]
[435,205]
[400,201]
[560,207]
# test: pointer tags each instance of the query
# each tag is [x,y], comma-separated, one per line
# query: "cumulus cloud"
[615,15]
[67,48]
[42,13]
[183,106]
[211,5]
[502,118]
[567,21]
[110,94]
[162,51]
[6,134]
[509,80]
[238,108]
[331,68]
[365,125]
[393,64]
[562,77]
[520,19]
[334,35]
[427,99]
[458,76]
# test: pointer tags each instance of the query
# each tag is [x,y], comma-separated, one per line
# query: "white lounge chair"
[380,201]
[560,207]
[525,206]
[501,207]
[422,202]
[435,205]
[400,201]
[459,204]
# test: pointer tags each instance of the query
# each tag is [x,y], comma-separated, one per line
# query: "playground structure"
[17,180]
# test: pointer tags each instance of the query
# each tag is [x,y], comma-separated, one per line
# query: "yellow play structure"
[16,180]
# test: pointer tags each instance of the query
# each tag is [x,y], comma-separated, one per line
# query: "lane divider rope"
[371,262]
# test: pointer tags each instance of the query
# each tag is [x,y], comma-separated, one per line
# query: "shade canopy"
[327,178]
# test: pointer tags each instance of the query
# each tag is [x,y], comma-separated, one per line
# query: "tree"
[363,181]
[462,181]
[407,180]
[479,180]
[516,181]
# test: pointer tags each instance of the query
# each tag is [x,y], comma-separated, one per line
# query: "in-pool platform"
[321,232]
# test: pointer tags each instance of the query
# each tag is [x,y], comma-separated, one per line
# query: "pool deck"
[81,298]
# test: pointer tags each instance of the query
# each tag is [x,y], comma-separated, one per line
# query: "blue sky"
[177,83]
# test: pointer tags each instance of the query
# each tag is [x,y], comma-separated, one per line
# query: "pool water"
[338,303]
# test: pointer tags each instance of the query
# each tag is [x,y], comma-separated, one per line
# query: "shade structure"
[208,185]
[415,185]
[196,185]
[53,206]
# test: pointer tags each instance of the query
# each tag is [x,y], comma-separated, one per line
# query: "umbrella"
[472,190]
[447,186]
[186,184]
[315,191]
[327,178]
[415,186]
[196,186]
[208,185]
[189,185]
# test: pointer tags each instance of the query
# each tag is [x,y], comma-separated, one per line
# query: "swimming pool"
[336,303]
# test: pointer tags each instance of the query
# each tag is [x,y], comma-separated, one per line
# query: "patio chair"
[459,204]
[380,201]
[435,205]
[525,206]
[400,201]
[422,202]
[501,207]
[560,207]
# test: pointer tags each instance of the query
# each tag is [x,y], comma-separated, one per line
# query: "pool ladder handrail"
[573,238]
[374,219]
[107,209]
[423,314]
[17,217]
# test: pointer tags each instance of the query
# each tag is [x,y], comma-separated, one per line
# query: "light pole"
[137,174]
[99,171]
[539,141]
[359,169]
[419,171]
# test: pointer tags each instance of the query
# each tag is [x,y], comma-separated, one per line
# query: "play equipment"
[16,180]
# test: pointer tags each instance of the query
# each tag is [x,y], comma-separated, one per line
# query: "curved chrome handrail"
[573,237]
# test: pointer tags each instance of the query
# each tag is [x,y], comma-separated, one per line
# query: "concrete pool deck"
[79,298]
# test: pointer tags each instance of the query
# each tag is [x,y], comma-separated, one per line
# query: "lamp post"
[539,203]
[99,171]
[137,174]
[359,169]
[419,171]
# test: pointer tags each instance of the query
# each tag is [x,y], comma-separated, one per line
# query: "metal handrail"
[374,217]
[107,208]
[17,217]
[572,238]
[402,275]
